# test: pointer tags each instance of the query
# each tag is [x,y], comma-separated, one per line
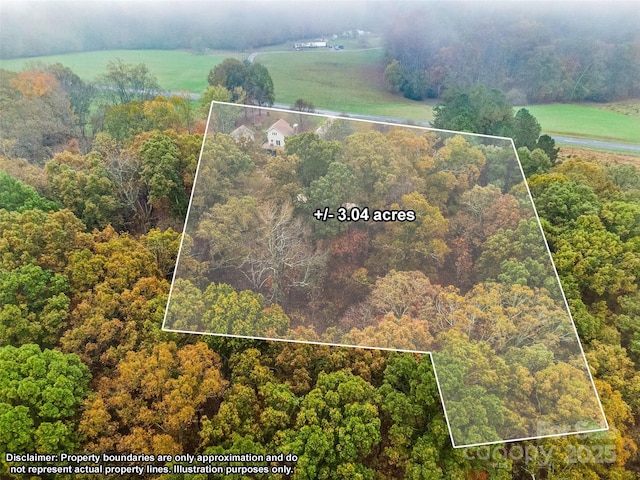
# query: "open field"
[587,121]
[343,81]
[175,70]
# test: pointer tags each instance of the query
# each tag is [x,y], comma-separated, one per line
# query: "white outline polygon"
[418,127]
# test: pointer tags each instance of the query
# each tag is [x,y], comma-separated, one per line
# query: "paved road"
[583,142]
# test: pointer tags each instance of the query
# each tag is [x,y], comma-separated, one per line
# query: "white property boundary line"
[417,127]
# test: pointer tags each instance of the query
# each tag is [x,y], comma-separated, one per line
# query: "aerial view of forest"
[163,229]
[341,236]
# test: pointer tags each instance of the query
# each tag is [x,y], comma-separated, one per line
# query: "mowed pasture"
[339,80]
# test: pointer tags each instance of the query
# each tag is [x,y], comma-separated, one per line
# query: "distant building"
[242,132]
[316,44]
[276,134]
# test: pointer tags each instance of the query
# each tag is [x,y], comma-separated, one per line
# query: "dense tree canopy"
[152,403]
[41,392]
[240,79]
[34,306]
[37,119]
[541,59]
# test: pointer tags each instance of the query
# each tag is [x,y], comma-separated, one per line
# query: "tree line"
[541,58]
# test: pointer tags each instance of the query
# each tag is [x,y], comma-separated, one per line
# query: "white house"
[276,134]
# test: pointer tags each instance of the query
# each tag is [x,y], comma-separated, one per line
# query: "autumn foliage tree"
[119,297]
[83,185]
[407,245]
[37,120]
[40,238]
[153,400]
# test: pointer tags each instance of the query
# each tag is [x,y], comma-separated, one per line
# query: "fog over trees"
[534,52]
[62,27]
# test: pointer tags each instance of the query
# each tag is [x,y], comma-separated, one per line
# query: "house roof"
[242,132]
[283,127]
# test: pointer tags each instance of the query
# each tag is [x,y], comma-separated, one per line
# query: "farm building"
[316,44]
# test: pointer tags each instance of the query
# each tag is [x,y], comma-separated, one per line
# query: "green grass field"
[175,70]
[587,121]
[343,81]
